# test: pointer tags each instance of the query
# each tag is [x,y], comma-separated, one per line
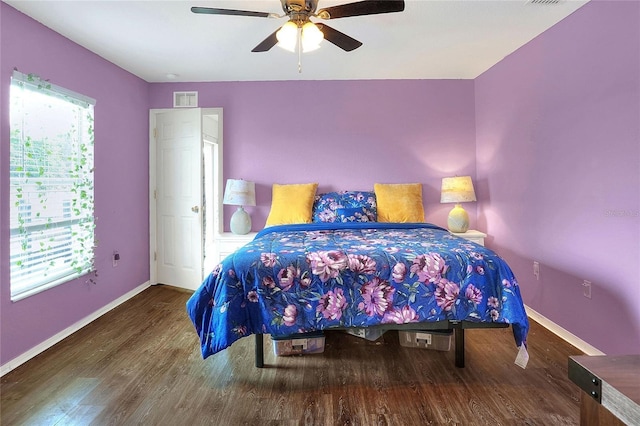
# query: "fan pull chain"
[299,50]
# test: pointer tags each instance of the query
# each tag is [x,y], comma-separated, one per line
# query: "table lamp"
[240,193]
[458,189]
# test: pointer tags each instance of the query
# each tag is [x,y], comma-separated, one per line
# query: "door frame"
[153,243]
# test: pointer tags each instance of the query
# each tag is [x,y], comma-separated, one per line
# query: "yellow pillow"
[401,202]
[291,203]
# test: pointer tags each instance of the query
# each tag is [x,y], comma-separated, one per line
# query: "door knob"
[195,209]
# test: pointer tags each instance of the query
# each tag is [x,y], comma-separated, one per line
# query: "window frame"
[69,235]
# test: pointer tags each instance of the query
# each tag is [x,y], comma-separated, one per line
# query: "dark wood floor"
[141,364]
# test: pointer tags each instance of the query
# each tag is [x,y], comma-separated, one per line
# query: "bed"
[340,274]
[354,259]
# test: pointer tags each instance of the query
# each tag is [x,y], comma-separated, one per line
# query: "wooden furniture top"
[614,381]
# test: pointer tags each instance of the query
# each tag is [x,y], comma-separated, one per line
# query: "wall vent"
[185,99]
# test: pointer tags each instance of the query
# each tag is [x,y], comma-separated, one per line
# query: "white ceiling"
[431,39]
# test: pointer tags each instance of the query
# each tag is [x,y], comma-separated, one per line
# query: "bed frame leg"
[459,343]
[259,350]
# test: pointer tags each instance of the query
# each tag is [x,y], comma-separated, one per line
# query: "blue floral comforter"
[299,278]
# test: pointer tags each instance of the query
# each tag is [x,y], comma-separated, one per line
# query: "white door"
[178,196]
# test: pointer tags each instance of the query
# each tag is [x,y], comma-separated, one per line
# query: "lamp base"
[240,222]
[458,220]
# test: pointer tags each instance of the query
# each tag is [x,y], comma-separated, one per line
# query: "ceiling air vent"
[545,1]
[185,99]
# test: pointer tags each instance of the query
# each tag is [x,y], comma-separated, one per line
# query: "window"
[51,181]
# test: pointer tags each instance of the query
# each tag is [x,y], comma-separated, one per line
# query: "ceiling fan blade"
[215,11]
[365,7]
[267,43]
[341,40]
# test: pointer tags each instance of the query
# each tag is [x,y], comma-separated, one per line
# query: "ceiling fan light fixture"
[311,37]
[287,36]
[299,12]
[309,34]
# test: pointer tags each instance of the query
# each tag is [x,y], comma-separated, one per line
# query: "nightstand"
[472,235]
[227,242]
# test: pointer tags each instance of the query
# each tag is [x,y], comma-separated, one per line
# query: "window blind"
[51,185]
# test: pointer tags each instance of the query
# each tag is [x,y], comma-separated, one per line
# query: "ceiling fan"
[299,12]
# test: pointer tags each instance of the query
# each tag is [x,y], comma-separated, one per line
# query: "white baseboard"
[562,333]
[26,356]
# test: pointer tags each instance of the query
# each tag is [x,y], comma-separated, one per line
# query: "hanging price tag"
[523,357]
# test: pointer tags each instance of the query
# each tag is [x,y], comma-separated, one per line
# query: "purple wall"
[342,134]
[552,129]
[121,180]
[558,167]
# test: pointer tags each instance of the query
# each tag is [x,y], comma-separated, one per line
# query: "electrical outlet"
[586,289]
[536,270]
[115,258]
